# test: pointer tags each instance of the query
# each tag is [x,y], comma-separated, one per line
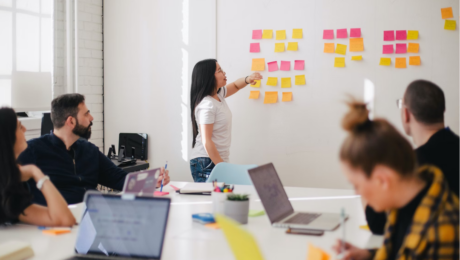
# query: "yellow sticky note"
[297,34]
[242,243]
[272,81]
[257,85]
[285,82]
[292,46]
[356,44]
[414,60]
[329,48]
[271,97]
[267,34]
[339,62]
[300,80]
[279,47]
[281,35]
[365,227]
[258,64]
[413,47]
[400,63]
[254,95]
[287,96]
[450,25]
[341,49]
[385,61]
[316,253]
[56,231]
[447,13]
[412,35]
[357,57]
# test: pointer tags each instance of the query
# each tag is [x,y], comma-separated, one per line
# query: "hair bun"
[357,116]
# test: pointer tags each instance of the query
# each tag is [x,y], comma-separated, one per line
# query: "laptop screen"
[271,192]
[114,226]
[141,183]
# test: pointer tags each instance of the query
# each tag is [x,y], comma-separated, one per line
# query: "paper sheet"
[297,34]
[339,62]
[355,32]
[401,48]
[257,85]
[387,49]
[447,13]
[328,34]
[287,96]
[254,94]
[281,35]
[285,65]
[267,34]
[299,65]
[257,34]
[341,49]
[412,35]
[279,47]
[292,46]
[342,33]
[329,47]
[414,60]
[272,66]
[254,47]
[285,82]
[450,25]
[300,80]
[258,64]
[357,57]
[271,97]
[400,63]
[356,44]
[272,81]
[385,61]
[401,35]
[389,35]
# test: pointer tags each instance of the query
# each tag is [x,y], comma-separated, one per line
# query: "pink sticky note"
[328,34]
[355,32]
[401,35]
[174,187]
[342,33]
[401,48]
[160,193]
[285,65]
[257,34]
[272,66]
[299,64]
[388,35]
[387,49]
[255,47]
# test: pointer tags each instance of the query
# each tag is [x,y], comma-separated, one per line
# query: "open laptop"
[141,183]
[122,227]
[279,208]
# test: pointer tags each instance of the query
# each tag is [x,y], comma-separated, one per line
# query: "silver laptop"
[279,208]
[122,227]
[141,183]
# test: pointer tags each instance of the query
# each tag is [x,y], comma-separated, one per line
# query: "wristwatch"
[41,181]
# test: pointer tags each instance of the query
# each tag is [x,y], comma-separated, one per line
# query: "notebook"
[203,188]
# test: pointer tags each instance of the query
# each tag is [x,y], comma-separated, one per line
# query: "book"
[204,188]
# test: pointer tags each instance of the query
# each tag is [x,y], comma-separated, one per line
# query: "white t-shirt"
[211,111]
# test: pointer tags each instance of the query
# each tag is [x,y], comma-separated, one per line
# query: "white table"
[188,240]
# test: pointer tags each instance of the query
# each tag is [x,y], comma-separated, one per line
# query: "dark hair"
[64,106]
[425,100]
[203,84]
[13,195]
[370,143]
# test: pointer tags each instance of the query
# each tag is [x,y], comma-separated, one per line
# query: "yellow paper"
[267,34]
[385,61]
[287,96]
[292,46]
[258,64]
[446,13]
[356,44]
[413,47]
[400,63]
[316,253]
[414,60]
[271,97]
[339,62]
[365,227]
[329,48]
[450,25]
[242,243]
[412,35]
[285,82]
[300,80]
[297,34]
[257,85]
[281,35]
[341,49]
[357,57]
[279,47]
[272,81]
[254,95]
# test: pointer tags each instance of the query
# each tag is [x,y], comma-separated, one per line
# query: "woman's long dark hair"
[13,195]
[203,84]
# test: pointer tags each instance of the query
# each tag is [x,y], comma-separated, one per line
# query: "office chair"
[233,174]
[47,125]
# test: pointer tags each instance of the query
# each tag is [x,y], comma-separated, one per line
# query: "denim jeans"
[201,168]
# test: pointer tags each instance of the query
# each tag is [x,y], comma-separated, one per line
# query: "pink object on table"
[272,66]
[401,48]
[174,187]
[388,35]
[355,32]
[285,65]
[342,33]
[299,64]
[401,35]
[255,47]
[257,34]
[387,49]
[160,193]
[328,34]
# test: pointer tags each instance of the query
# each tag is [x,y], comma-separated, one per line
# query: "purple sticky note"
[328,34]
[387,49]
[401,48]
[257,34]
[285,65]
[272,66]
[355,32]
[255,47]
[388,35]
[299,64]
[401,36]
[342,33]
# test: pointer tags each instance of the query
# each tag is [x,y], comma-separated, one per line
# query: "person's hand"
[30,171]
[252,79]
[163,175]
[351,252]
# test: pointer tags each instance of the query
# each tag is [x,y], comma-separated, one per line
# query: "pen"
[342,220]
[166,166]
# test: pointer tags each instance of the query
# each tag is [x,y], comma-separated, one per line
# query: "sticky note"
[254,94]
[413,47]
[389,35]
[285,82]
[400,63]
[287,96]
[297,34]
[412,35]
[401,48]
[299,64]
[357,57]
[254,47]
[328,34]
[329,48]
[355,32]
[365,227]
[256,34]
[385,61]
[271,97]
[267,34]
[258,64]
[447,13]
[272,66]
[256,213]
[257,85]
[160,193]
[316,253]
[341,49]
[281,35]
[339,62]
[401,35]
[56,231]
[279,47]
[292,46]
[414,60]
[342,33]
[387,49]
[356,44]
[213,225]
[300,80]
[450,25]
[285,65]
[272,81]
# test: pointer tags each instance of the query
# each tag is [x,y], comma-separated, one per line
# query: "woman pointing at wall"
[211,116]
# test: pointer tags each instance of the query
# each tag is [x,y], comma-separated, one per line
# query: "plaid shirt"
[434,231]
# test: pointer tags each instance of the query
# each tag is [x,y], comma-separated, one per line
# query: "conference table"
[186,239]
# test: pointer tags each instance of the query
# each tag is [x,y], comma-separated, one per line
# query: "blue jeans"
[201,168]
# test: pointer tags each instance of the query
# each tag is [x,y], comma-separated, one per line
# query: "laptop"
[278,207]
[141,183]
[122,227]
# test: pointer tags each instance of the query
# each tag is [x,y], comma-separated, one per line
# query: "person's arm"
[239,84]
[206,135]
[352,252]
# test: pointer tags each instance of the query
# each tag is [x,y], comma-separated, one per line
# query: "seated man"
[422,114]
[74,165]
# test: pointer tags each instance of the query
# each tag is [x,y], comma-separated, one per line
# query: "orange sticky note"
[413,47]
[258,64]
[356,44]
[414,60]
[271,97]
[257,85]
[213,225]
[316,253]
[287,96]
[400,63]
[56,231]
[329,48]
[447,13]
[254,95]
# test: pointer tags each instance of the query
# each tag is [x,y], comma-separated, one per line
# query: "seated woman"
[423,214]
[15,199]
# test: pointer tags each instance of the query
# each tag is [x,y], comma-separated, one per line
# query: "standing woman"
[211,116]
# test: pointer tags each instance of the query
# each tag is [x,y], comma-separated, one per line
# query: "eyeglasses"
[399,103]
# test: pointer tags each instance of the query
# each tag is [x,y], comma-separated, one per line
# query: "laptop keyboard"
[302,218]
